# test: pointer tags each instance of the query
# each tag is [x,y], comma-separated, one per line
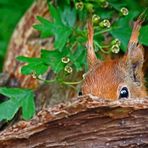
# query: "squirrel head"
[119,78]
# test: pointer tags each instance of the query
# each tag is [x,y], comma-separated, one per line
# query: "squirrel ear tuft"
[135,55]
[135,51]
[91,56]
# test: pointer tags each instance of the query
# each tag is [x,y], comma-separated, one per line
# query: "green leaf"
[79,58]
[61,37]
[123,34]
[18,98]
[35,65]
[117,5]
[68,16]
[28,105]
[37,68]
[143,39]
[8,109]
[27,59]
[55,14]
[45,27]
[122,30]
[40,65]
[57,28]
[134,5]
[53,58]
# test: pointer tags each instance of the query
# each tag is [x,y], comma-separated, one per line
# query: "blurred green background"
[10,13]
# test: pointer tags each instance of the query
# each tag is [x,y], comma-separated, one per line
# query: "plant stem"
[46,81]
[102,31]
[71,83]
[62,82]
[100,47]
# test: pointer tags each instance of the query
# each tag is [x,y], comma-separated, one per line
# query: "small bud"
[105,23]
[79,5]
[89,7]
[115,49]
[68,69]
[40,76]
[34,75]
[124,11]
[105,4]
[84,75]
[65,60]
[116,42]
[95,18]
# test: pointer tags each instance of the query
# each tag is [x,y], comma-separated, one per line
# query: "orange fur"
[105,79]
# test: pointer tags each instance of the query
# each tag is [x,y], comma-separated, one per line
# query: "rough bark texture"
[26,41]
[86,122]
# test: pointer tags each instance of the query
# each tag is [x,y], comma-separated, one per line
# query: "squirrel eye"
[124,93]
[80,93]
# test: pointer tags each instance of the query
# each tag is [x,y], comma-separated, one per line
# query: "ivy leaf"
[36,65]
[17,98]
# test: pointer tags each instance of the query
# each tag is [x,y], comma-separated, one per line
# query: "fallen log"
[83,123]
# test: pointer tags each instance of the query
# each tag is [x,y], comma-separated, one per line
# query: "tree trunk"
[26,41]
[86,122]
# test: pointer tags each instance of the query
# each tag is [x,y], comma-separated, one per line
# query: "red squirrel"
[119,78]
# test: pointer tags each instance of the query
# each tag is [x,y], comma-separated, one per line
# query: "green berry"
[116,42]
[68,69]
[105,23]
[65,60]
[95,18]
[89,7]
[105,4]
[79,5]
[34,76]
[115,48]
[124,11]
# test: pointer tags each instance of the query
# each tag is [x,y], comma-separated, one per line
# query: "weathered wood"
[83,123]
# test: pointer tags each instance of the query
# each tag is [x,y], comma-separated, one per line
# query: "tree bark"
[86,122]
[26,41]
